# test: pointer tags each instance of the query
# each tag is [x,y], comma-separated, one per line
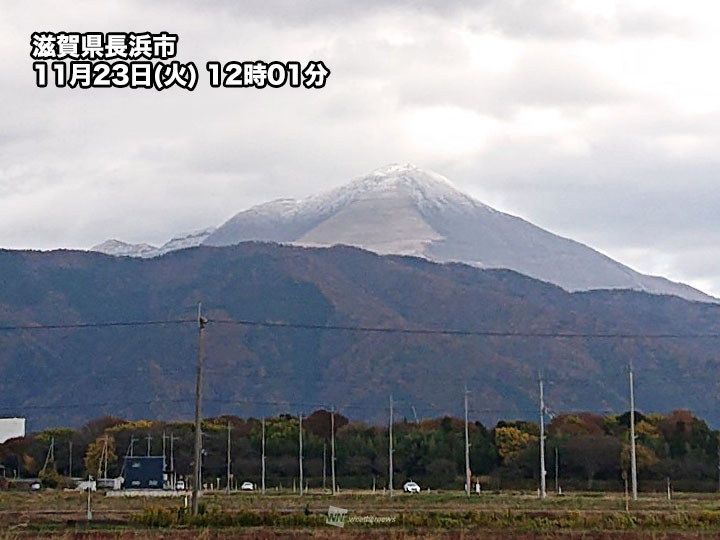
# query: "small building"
[110,483]
[87,485]
[143,472]
[11,428]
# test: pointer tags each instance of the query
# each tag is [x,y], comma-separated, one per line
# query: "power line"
[80,326]
[95,404]
[484,333]
[280,403]
[367,329]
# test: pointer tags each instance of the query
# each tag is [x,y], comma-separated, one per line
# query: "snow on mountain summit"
[425,187]
[404,210]
[381,211]
[187,240]
[119,248]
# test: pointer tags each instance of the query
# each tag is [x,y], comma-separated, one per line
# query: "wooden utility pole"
[70,458]
[390,450]
[201,322]
[332,450]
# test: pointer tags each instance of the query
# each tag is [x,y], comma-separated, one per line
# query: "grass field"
[437,515]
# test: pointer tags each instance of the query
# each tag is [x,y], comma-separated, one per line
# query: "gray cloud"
[556,122]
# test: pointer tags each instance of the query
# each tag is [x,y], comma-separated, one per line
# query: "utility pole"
[543,472]
[324,465]
[263,456]
[50,454]
[107,451]
[557,470]
[172,459]
[201,322]
[718,452]
[164,448]
[148,438]
[390,451]
[467,448]
[89,505]
[633,462]
[332,449]
[131,446]
[227,488]
[300,454]
[101,461]
[70,458]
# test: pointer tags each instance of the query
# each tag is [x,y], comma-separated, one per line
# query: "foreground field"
[425,516]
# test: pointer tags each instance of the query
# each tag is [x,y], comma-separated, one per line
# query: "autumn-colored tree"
[644,457]
[511,441]
[94,455]
[29,464]
[576,424]
[319,423]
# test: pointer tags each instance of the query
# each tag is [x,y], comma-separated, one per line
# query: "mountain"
[400,209]
[61,376]
[185,241]
[119,248]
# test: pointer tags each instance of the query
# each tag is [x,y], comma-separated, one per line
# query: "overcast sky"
[597,120]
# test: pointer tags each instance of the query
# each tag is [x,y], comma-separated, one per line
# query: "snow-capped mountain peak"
[402,209]
[425,188]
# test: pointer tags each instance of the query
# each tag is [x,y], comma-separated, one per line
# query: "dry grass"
[491,515]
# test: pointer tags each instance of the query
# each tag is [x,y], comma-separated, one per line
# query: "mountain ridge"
[66,376]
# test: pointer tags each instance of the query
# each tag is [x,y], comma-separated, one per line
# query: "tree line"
[584,451]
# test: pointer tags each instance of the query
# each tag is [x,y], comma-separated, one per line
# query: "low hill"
[66,376]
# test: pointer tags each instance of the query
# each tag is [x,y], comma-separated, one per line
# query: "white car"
[247,486]
[180,485]
[35,486]
[411,487]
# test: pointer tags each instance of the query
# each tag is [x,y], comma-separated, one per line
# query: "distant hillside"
[68,376]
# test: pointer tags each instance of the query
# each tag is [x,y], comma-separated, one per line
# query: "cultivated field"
[441,515]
